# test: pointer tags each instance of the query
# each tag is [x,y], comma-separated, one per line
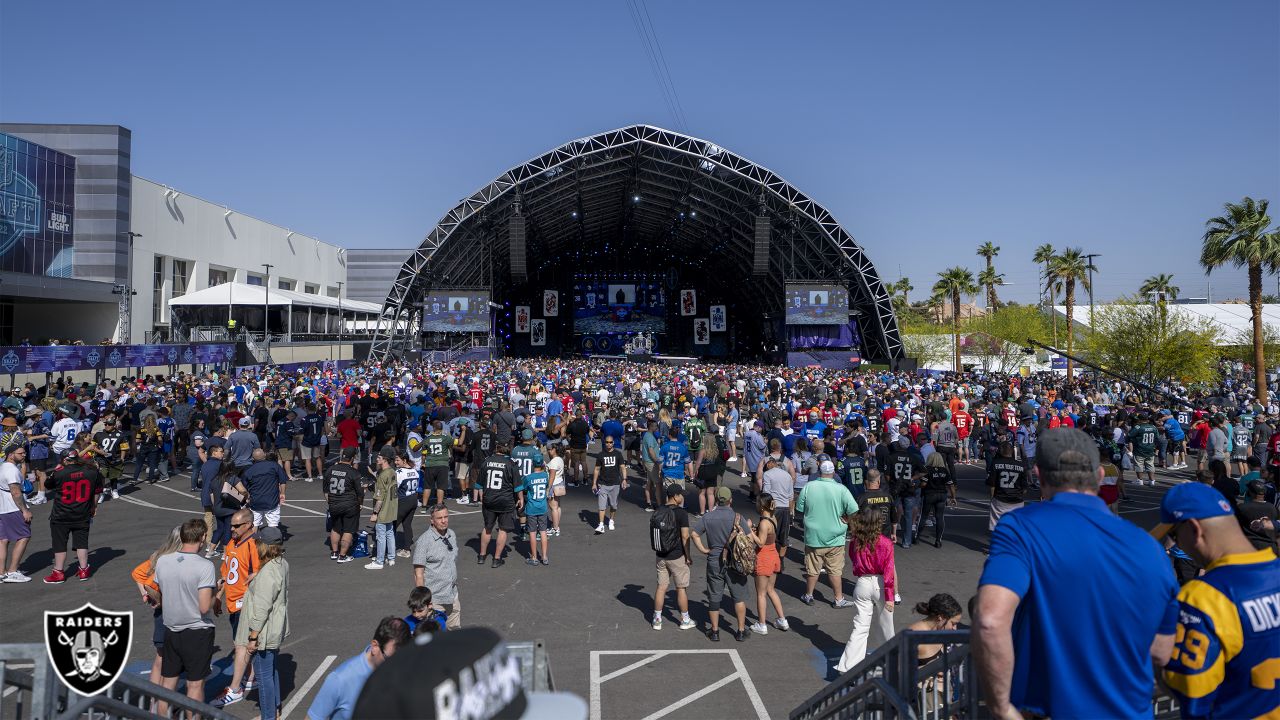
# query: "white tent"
[291,313]
[1231,319]
[242,294]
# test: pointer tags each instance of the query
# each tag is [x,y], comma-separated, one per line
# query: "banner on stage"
[538,332]
[688,303]
[522,318]
[701,331]
[719,323]
[550,303]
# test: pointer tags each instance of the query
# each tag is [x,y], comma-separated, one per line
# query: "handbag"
[231,498]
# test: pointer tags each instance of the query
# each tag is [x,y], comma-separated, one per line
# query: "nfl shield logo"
[88,646]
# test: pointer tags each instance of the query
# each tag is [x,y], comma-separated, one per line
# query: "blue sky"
[926,128]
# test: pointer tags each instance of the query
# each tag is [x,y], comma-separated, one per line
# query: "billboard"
[37,207]
[456,311]
[817,305]
[601,306]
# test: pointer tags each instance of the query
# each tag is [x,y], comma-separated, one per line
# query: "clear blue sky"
[925,128]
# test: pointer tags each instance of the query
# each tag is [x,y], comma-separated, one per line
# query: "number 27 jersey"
[500,480]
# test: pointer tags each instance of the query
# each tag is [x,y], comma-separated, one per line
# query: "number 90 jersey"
[75,492]
[500,480]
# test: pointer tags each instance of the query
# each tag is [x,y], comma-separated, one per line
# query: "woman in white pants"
[874,588]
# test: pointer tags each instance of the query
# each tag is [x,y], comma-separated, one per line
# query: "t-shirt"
[484,444]
[716,526]
[1009,478]
[682,521]
[500,480]
[937,480]
[342,486]
[825,504]
[535,493]
[779,485]
[64,433]
[579,432]
[1143,438]
[674,456]
[437,446]
[903,466]
[75,493]
[337,697]
[879,501]
[556,465]
[349,432]
[9,475]
[611,464]
[407,483]
[181,576]
[312,429]
[111,442]
[239,561]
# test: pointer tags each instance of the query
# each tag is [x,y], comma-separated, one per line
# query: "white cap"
[827,467]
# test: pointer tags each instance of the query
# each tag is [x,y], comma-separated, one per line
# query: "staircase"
[257,349]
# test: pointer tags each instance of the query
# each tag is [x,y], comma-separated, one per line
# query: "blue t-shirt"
[1107,595]
[613,429]
[337,697]
[433,616]
[535,493]
[674,456]
[284,434]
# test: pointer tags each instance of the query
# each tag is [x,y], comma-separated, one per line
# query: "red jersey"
[1010,418]
[1273,447]
[963,422]
[476,395]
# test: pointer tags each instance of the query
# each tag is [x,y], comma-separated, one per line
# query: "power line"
[657,63]
[662,58]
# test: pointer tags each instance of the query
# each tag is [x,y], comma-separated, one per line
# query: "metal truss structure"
[655,197]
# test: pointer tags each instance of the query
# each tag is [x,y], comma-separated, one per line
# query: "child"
[421,613]
[535,510]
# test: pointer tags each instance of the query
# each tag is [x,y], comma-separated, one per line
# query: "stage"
[649,359]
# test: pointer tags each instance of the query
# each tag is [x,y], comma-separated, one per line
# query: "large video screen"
[456,311]
[616,306]
[37,207]
[817,305]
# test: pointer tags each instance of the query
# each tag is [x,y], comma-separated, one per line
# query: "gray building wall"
[370,273]
[103,189]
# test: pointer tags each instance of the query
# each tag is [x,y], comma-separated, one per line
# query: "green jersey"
[694,429]
[526,457]
[1143,437]
[437,447]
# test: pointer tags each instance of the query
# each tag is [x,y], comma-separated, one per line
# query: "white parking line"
[740,673]
[305,688]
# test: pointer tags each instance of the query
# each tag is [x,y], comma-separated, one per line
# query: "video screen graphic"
[601,306]
[456,311]
[817,305]
[37,209]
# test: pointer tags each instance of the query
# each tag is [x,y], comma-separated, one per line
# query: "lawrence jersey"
[500,480]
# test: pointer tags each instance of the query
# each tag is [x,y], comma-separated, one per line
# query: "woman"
[408,487]
[555,480]
[731,431]
[941,612]
[148,442]
[664,422]
[144,578]
[768,566]
[1222,481]
[707,476]
[264,618]
[874,588]
[225,504]
[939,491]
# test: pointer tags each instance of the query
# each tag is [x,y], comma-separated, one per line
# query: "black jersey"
[500,480]
[1009,478]
[75,489]
[342,483]
[111,443]
[482,448]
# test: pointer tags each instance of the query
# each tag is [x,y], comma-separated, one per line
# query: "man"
[1259,517]
[15,514]
[1142,444]
[1038,604]
[285,429]
[907,470]
[76,485]
[579,432]
[946,438]
[186,581]
[216,452]
[669,531]
[1007,480]
[502,494]
[717,526]
[828,507]
[239,565]
[241,444]
[481,450]
[780,485]
[608,474]
[386,506]
[651,460]
[1177,440]
[964,423]
[526,456]
[337,697]
[676,465]
[112,448]
[435,566]
[266,483]
[1224,662]
[880,501]
[438,446]
[344,493]
[462,432]
[1025,438]
[311,448]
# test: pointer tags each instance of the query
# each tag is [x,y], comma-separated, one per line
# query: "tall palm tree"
[1044,255]
[1161,285]
[989,279]
[905,287]
[1067,269]
[1240,237]
[988,251]
[951,284]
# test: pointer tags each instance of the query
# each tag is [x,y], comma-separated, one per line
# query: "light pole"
[127,292]
[1091,268]
[266,302]
[340,324]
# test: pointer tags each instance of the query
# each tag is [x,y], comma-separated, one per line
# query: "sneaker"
[545,561]
[228,697]
[83,574]
[687,624]
[403,553]
[480,559]
[55,577]
[531,561]
[115,495]
[164,478]
[648,508]
[600,529]
[657,622]
[713,635]
[391,563]
[498,562]
[760,629]
[14,577]
[463,501]
[806,599]
[246,686]
[103,498]
[611,527]
[333,556]
[345,558]
[843,602]
[897,598]
[375,565]
[740,635]
[309,479]
[781,624]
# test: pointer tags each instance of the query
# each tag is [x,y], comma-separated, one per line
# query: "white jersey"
[64,434]
[415,455]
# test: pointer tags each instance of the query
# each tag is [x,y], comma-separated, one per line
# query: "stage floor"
[658,358]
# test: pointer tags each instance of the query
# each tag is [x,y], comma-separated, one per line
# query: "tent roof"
[1232,319]
[254,295]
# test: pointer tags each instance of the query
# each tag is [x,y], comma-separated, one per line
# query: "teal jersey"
[526,457]
[535,493]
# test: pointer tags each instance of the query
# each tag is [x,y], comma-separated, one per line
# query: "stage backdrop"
[830,359]
[801,337]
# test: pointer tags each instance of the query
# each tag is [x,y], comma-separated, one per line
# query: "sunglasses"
[236,525]
[446,542]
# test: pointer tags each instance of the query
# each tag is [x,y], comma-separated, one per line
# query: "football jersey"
[64,433]
[535,493]
[342,485]
[407,482]
[500,480]
[111,443]
[75,492]
[437,450]
[239,561]
[674,458]
[526,457]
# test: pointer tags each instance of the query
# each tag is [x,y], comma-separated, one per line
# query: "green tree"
[990,279]
[988,252]
[1241,237]
[905,287]
[951,284]
[1067,269]
[1241,346]
[1160,285]
[1011,326]
[1137,340]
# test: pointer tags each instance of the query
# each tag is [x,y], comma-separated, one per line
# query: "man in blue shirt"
[675,459]
[1045,615]
[337,697]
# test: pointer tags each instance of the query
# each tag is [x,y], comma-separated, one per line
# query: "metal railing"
[27,694]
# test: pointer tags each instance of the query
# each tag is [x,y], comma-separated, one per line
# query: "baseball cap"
[826,467]
[387,452]
[270,536]
[1190,501]
[724,494]
[246,422]
[462,672]
[526,434]
[349,452]
[1066,449]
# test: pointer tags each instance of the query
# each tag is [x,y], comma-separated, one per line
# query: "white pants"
[869,614]
[271,518]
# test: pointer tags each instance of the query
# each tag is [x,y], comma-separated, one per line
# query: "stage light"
[573,214]
[693,213]
[635,198]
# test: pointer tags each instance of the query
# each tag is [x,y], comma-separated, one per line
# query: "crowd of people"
[847,468]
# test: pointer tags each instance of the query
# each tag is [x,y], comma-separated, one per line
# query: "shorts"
[271,518]
[607,497]
[345,521]
[284,454]
[435,478]
[1109,494]
[234,619]
[461,469]
[536,523]
[79,536]
[830,558]
[998,509]
[577,457]
[186,651]
[1240,453]
[157,630]
[768,562]
[653,472]
[38,464]
[722,579]
[111,474]
[505,520]
[1144,464]
[310,453]
[13,527]
[673,571]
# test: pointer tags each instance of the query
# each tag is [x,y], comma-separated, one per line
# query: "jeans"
[907,522]
[195,475]
[222,530]
[386,550]
[150,458]
[264,669]
[936,504]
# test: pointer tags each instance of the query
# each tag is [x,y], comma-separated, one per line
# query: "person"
[241,444]
[337,697]
[435,464]
[1259,517]
[1142,445]
[828,507]
[779,485]
[344,493]
[676,465]
[608,479]
[555,478]
[284,430]
[768,566]
[435,565]
[265,618]
[186,581]
[719,526]
[906,468]
[707,473]
[407,491]
[144,578]
[1038,606]
[525,455]
[422,616]
[1007,479]
[1227,648]
[312,448]
[881,502]
[939,492]
[147,456]
[385,505]
[215,453]
[112,447]
[535,510]
[239,565]
[875,587]
[941,612]
[266,483]
[651,463]
[669,538]
[579,434]
[76,486]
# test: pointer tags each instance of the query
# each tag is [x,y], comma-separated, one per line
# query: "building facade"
[370,273]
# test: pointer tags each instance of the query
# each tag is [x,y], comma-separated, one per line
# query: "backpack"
[664,530]
[739,553]
[948,436]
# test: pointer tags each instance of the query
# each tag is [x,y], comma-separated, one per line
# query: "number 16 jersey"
[500,480]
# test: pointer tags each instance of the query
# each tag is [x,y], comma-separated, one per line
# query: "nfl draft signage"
[65,358]
[88,646]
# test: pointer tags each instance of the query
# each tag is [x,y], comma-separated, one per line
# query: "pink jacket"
[876,560]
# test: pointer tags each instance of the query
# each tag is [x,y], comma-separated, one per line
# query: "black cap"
[1066,449]
[350,452]
[387,452]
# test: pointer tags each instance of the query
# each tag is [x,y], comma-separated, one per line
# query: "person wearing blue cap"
[1226,660]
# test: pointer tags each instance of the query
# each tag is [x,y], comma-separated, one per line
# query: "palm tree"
[1240,237]
[1044,254]
[989,279]
[905,287]
[1067,269]
[987,251]
[952,283]
[1160,285]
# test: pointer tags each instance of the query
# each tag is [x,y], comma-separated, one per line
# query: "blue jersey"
[284,434]
[526,457]
[535,493]
[814,429]
[674,456]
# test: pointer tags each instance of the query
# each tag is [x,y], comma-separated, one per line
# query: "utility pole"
[266,303]
[341,322]
[126,293]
